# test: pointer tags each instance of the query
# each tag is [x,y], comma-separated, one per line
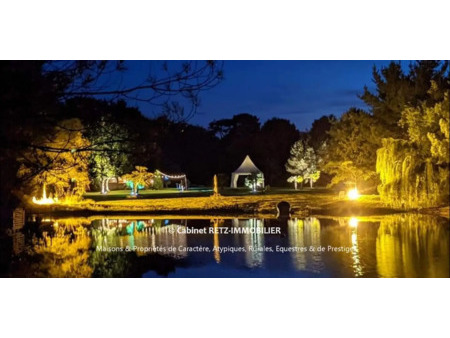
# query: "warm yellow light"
[353,222]
[44,200]
[353,194]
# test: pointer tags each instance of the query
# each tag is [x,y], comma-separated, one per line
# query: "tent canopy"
[246,168]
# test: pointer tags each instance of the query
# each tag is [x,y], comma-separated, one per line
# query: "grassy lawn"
[196,192]
[149,194]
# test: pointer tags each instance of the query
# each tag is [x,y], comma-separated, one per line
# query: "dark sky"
[300,91]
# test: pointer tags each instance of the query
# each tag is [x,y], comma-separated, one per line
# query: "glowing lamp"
[353,222]
[353,194]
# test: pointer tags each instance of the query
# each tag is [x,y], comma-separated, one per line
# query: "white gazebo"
[245,169]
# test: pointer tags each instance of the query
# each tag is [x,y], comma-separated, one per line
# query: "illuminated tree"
[414,172]
[58,161]
[158,182]
[254,181]
[351,150]
[397,90]
[302,164]
[295,179]
[140,178]
[112,155]
[296,165]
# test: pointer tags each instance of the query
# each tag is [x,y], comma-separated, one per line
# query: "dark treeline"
[179,147]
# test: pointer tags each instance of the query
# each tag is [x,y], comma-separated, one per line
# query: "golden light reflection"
[412,246]
[306,233]
[357,268]
[64,253]
[216,240]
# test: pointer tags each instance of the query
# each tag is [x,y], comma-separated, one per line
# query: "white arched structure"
[246,168]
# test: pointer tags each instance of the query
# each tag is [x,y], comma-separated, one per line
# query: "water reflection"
[252,240]
[305,233]
[141,236]
[412,246]
[391,246]
[216,224]
[357,268]
[64,253]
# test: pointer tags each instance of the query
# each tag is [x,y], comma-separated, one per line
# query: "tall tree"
[351,151]
[415,172]
[302,164]
[64,172]
[139,178]
[296,164]
[397,90]
[274,144]
[238,138]
[318,134]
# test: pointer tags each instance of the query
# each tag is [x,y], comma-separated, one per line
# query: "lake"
[402,245]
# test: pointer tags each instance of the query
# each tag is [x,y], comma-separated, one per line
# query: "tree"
[254,181]
[64,172]
[112,156]
[302,164]
[350,154]
[274,143]
[296,165]
[170,86]
[397,90]
[238,138]
[318,134]
[191,150]
[415,172]
[139,179]
[158,182]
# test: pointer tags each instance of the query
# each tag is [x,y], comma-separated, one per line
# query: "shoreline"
[302,205]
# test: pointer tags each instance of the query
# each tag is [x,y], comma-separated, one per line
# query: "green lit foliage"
[414,172]
[350,153]
[58,160]
[296,179]
[313,177]
[158,182]
[347,173]
[140,178]
[302,164]
[254,181]
[397,90]
[111,158]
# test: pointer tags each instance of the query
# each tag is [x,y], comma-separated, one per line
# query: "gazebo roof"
[247,167]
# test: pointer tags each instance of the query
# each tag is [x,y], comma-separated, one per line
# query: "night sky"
[300,91]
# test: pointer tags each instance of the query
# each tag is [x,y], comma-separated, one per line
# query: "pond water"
[406,245]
